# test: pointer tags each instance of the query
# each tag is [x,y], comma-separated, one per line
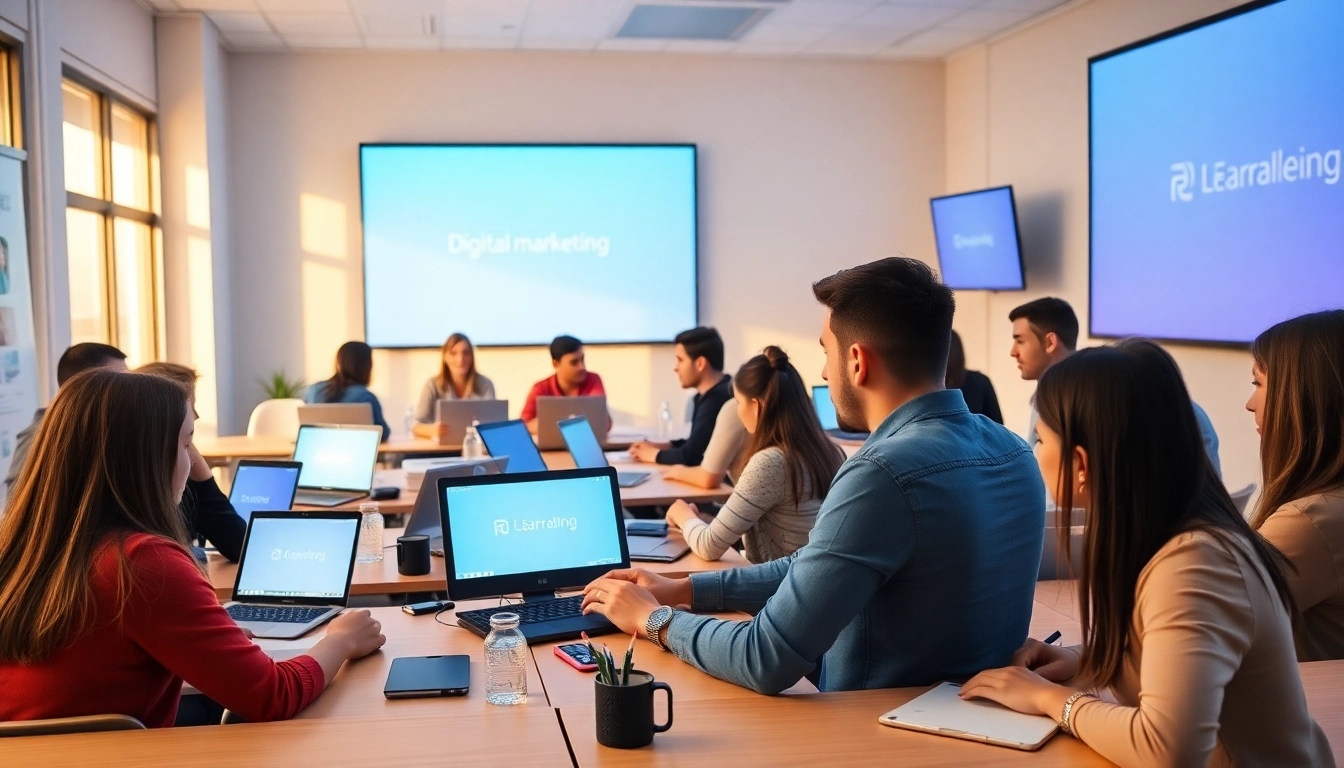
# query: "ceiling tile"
[165,6]
[701,46]
[906,16]
[480,43]
[557,44]
[855,36]
[240,22]
[562,29]
[304,6]
[332,25]
[769,47]
[945,38]
[575,9]
[1035,6]
[253,40]
[632,44]
[987,21]
[323,42]
[402,43]
[469,27]
[832,13]
[217,5]
[769,31]
[935,3]
[491,8]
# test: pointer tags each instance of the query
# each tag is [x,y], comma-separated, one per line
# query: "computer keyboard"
[276,614]
[528,613]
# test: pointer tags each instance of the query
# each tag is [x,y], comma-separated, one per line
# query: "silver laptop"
[338,462]
[336,413]
[587,452]
[295,571]
[552,410]
[457,415]
[424,519]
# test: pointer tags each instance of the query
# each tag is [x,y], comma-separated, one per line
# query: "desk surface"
[221,450]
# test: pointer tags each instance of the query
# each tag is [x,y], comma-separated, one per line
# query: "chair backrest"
[275,418]
[60,725]
[1243,497]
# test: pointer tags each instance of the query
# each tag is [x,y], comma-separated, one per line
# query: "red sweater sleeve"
[530,404]
[174,616]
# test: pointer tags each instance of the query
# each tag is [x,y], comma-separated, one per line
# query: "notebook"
[942,712]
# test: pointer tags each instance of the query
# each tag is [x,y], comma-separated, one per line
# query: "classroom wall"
[806,167]
[1017,114]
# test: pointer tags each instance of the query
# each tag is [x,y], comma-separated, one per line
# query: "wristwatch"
[658,619]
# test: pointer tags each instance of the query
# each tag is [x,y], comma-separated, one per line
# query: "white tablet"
[941,711]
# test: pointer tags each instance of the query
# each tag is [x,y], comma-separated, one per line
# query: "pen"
[1053,637]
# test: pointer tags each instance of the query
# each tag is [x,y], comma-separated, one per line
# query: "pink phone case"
[573,662]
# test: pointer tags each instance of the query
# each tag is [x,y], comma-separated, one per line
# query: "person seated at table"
[789,467]
[350,383]
[1185,615]
[722,456]
[974,385]
[1298,373]
[76,359]
[457,380]
[207,511]
[699,366]
[103,610]
[922,563]
[571,379]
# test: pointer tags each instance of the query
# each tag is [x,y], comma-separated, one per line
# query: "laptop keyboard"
[324,498]
[276,614]
[528,613]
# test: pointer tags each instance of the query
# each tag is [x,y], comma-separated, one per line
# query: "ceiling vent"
[718,21]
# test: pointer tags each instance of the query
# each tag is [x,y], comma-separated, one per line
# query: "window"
[10,134]
[110,222]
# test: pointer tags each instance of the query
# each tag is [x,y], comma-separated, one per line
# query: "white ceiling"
[885,29]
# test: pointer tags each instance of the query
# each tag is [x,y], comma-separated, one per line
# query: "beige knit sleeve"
[1196,624]
[1312,578]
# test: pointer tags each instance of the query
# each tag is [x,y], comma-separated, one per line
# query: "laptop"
[295,571]
[337,461]
[511,438]
[336,413]
[821,401]
[457,415]
[552,410]
[263,485]
[532,533]
[424,519]
[587,452]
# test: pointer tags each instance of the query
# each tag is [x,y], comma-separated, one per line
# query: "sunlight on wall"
[322,226]
[200,289]
[325,321]
[804,351]
[198,198]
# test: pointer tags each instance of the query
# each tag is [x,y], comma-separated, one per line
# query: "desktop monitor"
[511,438]
[337,457]
[978,243]
[529,533]
[263,485]
[298,557]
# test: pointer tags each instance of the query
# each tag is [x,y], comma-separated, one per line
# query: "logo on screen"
[1183,175]
[277,553]
[501,526]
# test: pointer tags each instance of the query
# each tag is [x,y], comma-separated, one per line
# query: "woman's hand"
[1051,662]
[624,603]
[358,632]
[673,592]
[1019,689]
[680,513]
[200,469]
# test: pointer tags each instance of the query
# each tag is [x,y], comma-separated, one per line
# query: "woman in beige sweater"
[1298,402]
[1185,616]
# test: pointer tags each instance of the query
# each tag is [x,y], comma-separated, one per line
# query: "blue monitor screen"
[543,525]
[262,488]
[297,557]
[511,438]
[582,443]
[601,236]
[1216,176]
[821,400]
[978,247]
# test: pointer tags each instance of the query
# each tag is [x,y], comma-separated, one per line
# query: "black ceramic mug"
[413,555]
[625,712]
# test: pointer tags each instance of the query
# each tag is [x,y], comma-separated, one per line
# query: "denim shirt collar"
[942,402]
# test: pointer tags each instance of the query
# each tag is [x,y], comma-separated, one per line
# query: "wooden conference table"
[715,723]
[221,451]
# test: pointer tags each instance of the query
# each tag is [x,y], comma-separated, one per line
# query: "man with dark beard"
[922,564]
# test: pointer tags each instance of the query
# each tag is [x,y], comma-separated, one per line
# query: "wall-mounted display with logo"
[18,346]
[1217,205]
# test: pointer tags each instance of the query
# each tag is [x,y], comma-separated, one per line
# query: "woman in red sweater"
[102,608]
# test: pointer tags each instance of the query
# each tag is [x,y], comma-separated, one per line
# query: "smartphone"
[433,606]
[577,656]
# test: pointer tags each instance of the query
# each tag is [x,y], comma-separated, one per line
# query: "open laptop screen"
[536,524]
[258,486]
[298,557]
[511,438]
[821,400]
[337,457]
[582,443]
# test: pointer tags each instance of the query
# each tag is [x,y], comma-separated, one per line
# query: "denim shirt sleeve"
[368,397]
[865,532]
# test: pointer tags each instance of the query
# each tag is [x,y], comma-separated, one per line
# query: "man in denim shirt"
[922,564]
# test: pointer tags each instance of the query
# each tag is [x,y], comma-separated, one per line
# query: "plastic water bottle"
[472,445]
[370,534]
[665,422]
[409,422]
[505,661]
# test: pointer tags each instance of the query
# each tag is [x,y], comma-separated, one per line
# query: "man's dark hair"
[898,308]
[703,342]
[1050,315]
[564,345]
[82,357]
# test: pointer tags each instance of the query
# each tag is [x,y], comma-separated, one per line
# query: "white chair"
[275,418]
[1243,497]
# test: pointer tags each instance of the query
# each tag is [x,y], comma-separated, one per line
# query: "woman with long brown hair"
[1298,402]
[1185,616]
[457,379]
[787,468]
[350,382]
[102,608]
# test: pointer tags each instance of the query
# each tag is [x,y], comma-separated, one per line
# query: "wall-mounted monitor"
[978,244]
[514,244]
[1217,203]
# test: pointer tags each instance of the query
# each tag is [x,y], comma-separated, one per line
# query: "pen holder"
[625,712]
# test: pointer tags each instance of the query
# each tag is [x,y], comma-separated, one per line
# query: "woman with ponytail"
[787,468]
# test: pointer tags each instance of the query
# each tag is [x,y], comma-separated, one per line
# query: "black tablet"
[419,676]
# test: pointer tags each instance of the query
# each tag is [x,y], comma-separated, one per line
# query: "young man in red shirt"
[571,379]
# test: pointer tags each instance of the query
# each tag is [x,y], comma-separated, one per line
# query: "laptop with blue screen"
[587,452]
[821,401]
[263,485]
[511,438]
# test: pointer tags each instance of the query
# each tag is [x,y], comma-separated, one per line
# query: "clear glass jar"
[505,661]
[370,534]
[472,445]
